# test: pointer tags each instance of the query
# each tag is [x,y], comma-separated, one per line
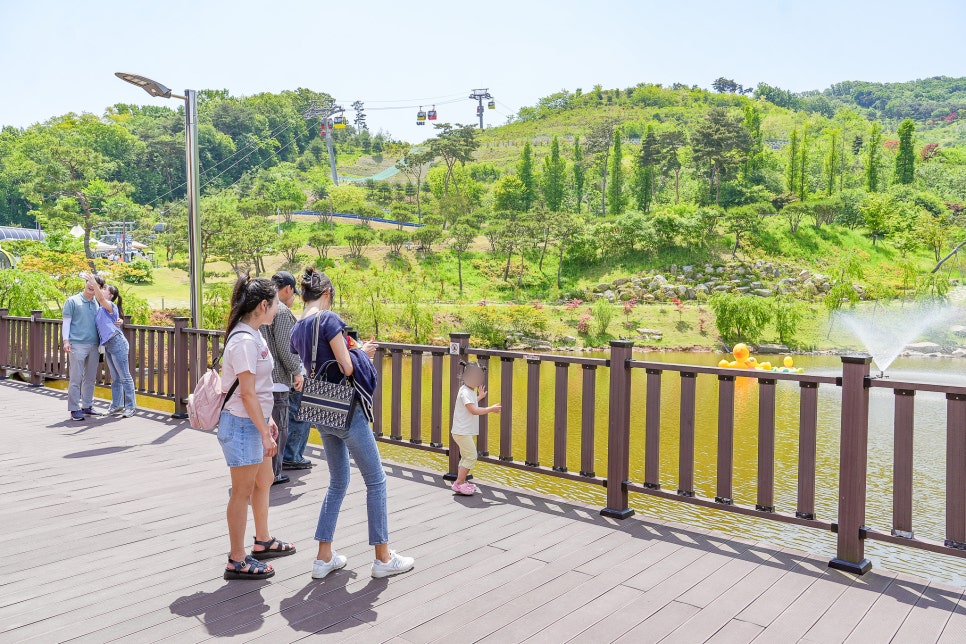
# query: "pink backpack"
[208,400]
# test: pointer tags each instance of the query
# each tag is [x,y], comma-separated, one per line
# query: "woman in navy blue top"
[357,441]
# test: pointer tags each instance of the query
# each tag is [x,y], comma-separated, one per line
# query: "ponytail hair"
[247,295]
[116,298]
[315,284]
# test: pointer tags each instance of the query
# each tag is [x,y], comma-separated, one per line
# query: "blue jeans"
[122,383]
[298,431]
[358,442]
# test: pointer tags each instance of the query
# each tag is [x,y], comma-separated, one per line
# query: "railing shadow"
[792,561]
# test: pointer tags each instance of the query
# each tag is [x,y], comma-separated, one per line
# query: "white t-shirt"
[465,423]
[247,351]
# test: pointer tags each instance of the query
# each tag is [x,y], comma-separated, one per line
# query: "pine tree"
[645,170]
[579,174]
[791,170]
[756,153]
[525,174]
[832,167]
[873,158]
[615,191]
[906,158]
[803,171]
[552,181]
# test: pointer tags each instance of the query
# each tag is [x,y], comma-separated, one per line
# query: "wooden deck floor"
[118,534]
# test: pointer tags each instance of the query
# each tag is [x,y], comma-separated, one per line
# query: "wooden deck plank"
[504,565]
[792,624]
[955,630]
[889,611]
[837,623]
[735,632]
[927,619]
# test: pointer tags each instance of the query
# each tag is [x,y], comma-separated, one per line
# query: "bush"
[490,325]
[603,315]
[740,318]
[138,271]
[178,264]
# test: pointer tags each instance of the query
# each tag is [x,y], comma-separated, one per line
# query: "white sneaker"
[114,411]
[396,565]
[127,413]
[320,568]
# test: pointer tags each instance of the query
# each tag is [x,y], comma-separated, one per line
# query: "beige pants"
[467,445]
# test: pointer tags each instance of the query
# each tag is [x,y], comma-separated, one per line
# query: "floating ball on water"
[788,362]
[723,363]
[765,366]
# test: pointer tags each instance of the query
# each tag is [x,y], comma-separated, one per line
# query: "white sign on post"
[454,348]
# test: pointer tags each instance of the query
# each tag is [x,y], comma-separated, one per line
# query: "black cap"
[283,279]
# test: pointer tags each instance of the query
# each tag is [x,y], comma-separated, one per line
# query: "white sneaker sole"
[327,572]
[390,573]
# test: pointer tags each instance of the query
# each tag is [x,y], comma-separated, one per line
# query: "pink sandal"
[464,489]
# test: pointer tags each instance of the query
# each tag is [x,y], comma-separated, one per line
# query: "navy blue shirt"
[330,326]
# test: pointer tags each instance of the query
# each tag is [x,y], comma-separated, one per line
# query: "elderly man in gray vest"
[288,368]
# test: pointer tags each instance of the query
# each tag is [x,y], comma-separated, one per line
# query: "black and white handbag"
[326,402]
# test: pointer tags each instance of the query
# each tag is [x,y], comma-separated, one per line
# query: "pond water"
[929,458]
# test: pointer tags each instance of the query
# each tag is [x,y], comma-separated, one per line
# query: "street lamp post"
[194,187]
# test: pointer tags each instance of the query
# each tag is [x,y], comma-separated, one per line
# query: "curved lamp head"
[153,88]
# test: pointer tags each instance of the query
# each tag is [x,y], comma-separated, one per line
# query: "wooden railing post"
[4,342]
[652,431]
[436,405]
[457,349]
[956,471]
[35,349]
[395,411]
[902,464]
[853,465]
[726,439]
[180,368]
[483,440]
[588,419]
[619,430]
[533,413]
[416,399]
[378,361]
[560,395]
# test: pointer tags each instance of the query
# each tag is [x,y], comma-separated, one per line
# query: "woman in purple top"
[116,349]
[357,440]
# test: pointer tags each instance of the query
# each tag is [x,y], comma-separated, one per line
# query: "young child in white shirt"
[466,423]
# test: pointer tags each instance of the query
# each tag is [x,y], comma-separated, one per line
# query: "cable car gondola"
[339,123]
[431,115]
[421,116]
[491,104]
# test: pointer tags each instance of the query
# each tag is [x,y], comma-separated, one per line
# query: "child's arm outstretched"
[476,410]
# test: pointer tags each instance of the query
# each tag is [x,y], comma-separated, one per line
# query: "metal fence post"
[457,349]
[4,342]
[619,430]
[853,464]
[35,349]
[180,368]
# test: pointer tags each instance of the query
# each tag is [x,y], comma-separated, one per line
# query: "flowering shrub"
[583,324]
[573,305]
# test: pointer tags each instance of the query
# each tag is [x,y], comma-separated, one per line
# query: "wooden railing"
[167,361]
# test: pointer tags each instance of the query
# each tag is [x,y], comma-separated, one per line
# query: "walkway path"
[118,533]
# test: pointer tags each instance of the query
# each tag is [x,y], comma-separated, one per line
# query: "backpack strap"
[217,361]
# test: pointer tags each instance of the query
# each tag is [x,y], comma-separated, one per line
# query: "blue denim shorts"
[240,440]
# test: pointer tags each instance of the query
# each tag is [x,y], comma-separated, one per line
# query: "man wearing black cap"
[288,368]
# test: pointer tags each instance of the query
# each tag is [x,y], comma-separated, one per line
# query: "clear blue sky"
[60,56]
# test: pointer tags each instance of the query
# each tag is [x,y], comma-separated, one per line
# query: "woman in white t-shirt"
[246,430]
